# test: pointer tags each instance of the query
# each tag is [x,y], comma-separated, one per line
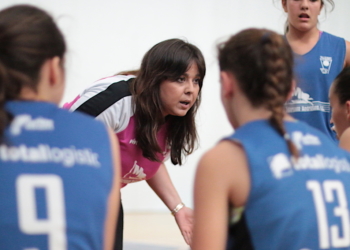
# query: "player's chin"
[181,112]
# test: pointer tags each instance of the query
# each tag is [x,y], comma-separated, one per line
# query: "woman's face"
[302,14]
[339,114]
[178,96]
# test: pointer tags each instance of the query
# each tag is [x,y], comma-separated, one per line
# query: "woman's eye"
[197,81]
[181,79]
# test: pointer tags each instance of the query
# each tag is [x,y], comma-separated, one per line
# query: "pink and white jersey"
[110,101]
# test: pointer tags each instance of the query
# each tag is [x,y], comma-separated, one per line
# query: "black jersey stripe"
[103,100]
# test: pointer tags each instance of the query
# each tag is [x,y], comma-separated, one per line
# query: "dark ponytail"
[262,62]
[28,37]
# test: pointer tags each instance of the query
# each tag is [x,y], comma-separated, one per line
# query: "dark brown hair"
[28,37]
[341,85]
[262,62]
[166,60]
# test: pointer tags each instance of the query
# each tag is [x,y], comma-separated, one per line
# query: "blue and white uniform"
[56,175]
[292,205]
[315,71]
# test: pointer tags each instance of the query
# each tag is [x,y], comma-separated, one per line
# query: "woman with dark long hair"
[152,111]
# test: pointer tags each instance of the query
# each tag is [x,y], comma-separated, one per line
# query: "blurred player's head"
[260,61]
[29,39]
[339,96]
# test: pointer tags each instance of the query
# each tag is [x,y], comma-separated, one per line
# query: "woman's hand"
[164,188]
[184,220]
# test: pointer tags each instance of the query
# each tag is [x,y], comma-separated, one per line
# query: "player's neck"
[246,115]
[302,42]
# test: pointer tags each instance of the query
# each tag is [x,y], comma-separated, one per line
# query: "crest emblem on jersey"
[301,97]
[281,166]
[303,102]
[326,63]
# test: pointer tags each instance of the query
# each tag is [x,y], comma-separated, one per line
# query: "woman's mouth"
[304,16]
[185,103]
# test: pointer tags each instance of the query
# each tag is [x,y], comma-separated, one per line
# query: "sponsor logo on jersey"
[301,140]
[302,102]
[26,122]
[281,166]
[43,153]
[136,173]
[326,63]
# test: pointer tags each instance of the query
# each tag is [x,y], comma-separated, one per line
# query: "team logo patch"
[303,102]
[136,173]
[326,63]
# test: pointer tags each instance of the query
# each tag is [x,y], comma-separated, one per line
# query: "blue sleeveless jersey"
[56,174]
[315,72]
[293,206]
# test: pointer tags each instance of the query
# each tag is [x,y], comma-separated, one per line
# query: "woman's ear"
[227,88]
[320,11]
[56,71]
[347,109]
[55,80]
[284,5]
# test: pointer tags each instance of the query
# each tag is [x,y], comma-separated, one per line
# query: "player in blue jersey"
[319,58]
[339,96]
[59,178]
[276,183]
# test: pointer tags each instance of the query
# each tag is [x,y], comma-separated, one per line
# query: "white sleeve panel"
[118,115]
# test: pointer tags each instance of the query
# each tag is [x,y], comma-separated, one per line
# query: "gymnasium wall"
[108,36]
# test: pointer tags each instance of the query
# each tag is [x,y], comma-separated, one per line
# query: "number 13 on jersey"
[331,191]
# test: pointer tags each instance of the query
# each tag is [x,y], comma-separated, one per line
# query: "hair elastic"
[265,38]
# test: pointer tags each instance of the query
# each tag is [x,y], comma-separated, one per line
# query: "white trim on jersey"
[116,116]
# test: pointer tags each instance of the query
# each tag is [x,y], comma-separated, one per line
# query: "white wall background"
[108,36]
